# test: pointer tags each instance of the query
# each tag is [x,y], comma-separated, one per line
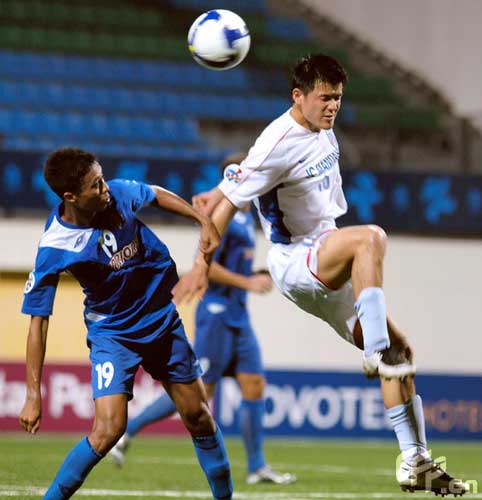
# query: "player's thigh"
[191,402]
[214,343]
[170,356]
[188,397]
[334,252]
[114,365]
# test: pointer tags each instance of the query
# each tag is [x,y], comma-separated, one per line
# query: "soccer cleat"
[267,475]
[429,476]
[118,451]
[384,364]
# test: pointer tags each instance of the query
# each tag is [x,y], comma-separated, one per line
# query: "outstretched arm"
[170,202]
[206,202]
[188,286]
[31,413]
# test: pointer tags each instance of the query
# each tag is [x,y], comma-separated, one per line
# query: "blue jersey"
[125,271]
[235,253]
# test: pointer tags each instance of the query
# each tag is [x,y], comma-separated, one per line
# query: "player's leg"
[191,402]
[161,408]
[417,469]
[172,360]
[251,380]
[109,424]
[404,407]
[357,253]
[213,346]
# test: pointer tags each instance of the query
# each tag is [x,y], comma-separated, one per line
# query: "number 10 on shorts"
[105,374]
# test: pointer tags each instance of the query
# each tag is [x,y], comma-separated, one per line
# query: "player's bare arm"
[206,202]
[31,413]
[257,283]
[170,202]
[192,284]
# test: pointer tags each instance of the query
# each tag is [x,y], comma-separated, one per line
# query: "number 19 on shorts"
[105,374]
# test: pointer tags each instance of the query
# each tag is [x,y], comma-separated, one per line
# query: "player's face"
[94,193]
[320,106]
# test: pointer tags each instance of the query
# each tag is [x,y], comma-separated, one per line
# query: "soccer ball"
[219,39]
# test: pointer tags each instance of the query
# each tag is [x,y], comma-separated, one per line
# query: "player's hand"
[31,414]
[260,283]
[209,239]
[194,283]
[207,201]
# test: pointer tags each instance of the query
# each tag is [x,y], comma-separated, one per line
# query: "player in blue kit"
[226,345]
[127,275]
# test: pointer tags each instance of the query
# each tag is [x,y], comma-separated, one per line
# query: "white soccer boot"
[429,476]
[388,364]
[267,475]
[117,452]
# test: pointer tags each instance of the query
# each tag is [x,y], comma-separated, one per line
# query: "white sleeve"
[261,171]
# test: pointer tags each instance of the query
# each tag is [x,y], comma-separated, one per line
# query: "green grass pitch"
[166,468]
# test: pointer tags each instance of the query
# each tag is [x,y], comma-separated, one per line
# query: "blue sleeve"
[39,293]
[131,195]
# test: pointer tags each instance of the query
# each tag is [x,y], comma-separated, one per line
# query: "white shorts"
[293,269]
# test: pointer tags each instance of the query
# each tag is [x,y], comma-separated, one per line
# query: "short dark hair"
[315,68]
[66,168]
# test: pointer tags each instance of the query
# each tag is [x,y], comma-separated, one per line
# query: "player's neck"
[75,216]
[298,117]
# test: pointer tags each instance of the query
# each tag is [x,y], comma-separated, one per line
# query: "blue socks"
[72,473]
[210,450]
[371,311]
[161,408]
[251,425]
[409,426]
[213,459]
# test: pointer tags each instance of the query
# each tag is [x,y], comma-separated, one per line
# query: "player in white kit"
[293,177]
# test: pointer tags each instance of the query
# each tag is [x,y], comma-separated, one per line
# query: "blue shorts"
[115,360]
[223,349]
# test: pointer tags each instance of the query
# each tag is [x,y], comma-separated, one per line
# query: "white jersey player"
[292,175]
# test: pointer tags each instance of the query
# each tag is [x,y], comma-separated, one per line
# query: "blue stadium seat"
[98,126]
[8,93]
[235,5]
[6,121]
[52,123]
[288,29]
[121,127]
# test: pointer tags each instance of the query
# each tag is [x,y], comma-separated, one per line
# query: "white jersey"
[293,177]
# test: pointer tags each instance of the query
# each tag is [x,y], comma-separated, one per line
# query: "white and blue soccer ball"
[219,39]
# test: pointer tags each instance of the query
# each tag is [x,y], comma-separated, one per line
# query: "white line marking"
[13,491]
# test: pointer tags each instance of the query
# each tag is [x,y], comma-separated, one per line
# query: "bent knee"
[106,432]
[375,236]
[252,386]
[198,419]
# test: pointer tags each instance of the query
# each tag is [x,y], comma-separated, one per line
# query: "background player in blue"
[127,275]
[226,345]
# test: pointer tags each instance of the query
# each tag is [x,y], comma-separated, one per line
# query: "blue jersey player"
[127,275]
[226,345]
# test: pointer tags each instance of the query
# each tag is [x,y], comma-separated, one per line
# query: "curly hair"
[66,168]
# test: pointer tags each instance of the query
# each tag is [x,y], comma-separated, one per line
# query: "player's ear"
[70,197]
[297,95]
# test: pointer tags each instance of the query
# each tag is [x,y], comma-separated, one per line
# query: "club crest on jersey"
[233,175]
[30,283]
